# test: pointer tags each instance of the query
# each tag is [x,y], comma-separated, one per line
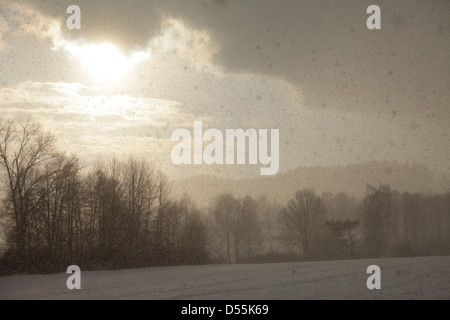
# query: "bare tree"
[251,226]
[187,234]
[57,217]
[24,151]
[139,195]
[164,203]
[300,218]
[269,227]
[106,215]
[377,217]
[226,211]
[194,236]
[344,232]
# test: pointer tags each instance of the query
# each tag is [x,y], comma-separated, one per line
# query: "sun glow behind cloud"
[107,63]
[181,73]
[104,61]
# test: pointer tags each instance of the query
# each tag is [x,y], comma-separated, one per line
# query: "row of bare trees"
[396,223]
[121,214]
[244,229]
[115,214]
[384,223]
[237,227]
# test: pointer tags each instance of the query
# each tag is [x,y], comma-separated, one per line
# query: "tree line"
[117,214]
[385,223]
[120,214]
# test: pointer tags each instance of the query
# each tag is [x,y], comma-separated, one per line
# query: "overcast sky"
[339,93]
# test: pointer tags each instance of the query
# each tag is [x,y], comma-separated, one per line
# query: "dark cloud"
[348,76]
[323,47]
[129,24]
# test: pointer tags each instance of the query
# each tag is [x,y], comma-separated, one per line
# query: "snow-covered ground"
[401,278]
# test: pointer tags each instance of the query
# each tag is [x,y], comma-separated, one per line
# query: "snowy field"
[401,278]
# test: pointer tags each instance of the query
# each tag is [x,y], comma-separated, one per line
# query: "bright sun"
[105,62]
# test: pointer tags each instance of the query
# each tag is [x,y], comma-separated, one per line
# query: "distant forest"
[122,214]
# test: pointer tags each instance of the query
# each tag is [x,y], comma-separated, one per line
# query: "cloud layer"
[338,93]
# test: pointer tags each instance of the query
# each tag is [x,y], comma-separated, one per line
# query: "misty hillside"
[351,179]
